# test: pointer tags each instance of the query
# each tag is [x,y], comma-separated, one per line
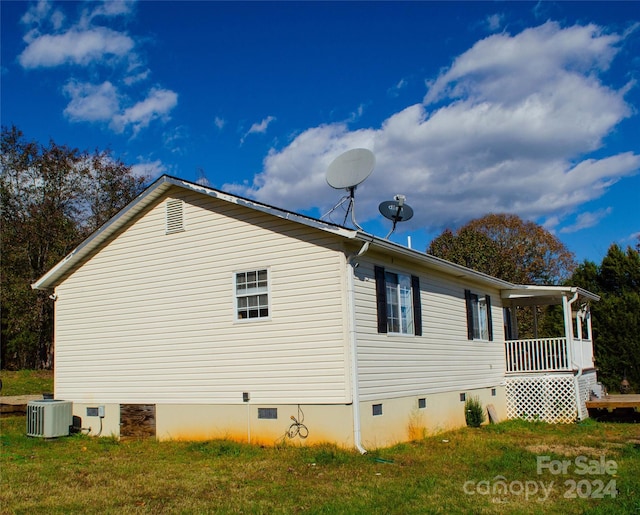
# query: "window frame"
[259,307]
[382,302]
[478,316]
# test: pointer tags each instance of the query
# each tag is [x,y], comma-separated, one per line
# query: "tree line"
[522,252]
[53,196]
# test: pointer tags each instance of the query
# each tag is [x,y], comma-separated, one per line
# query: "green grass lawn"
[26,382]
[455,472]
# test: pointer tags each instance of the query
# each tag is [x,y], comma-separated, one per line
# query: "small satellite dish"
[396,210]
[350,168]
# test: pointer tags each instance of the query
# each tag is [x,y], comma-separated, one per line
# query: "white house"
[195,314]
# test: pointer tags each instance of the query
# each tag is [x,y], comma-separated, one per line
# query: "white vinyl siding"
[152,317]
[441,360]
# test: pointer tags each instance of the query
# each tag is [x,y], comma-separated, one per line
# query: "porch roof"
[545,295]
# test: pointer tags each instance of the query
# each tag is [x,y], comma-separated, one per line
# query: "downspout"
[354,350]
[569,327]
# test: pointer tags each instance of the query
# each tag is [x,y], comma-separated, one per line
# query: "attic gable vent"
[175,216]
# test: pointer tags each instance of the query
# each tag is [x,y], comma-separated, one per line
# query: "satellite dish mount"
[347,171]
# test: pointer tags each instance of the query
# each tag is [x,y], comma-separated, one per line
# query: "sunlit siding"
[440,360]
[151,316]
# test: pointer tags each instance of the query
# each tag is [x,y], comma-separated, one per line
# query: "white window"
[479,325]
[252,294]
[399,303]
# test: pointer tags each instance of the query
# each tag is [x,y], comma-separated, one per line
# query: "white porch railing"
[547,355]
[539,355]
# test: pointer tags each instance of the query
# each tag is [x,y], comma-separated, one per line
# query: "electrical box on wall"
[96,412]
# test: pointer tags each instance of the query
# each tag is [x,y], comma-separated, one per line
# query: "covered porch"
[549,378]
[571,351]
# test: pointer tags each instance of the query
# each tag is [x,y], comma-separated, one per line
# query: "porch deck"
[544,355]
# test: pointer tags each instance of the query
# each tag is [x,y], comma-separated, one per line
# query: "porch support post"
[568,326]
[579,324]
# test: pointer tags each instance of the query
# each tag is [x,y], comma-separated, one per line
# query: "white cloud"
[177,139]
[219,122]
[91,102]
[94,47]
[157,105]
[75,47]
[151,169]
[38,15]
[494,22]
[537,57]
[258,127]
[507,128]
[102,103]
[137,77]
[110,8]
[261,127]
[586,220]
[394,91]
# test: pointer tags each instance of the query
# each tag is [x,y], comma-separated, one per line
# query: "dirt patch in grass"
[573,450]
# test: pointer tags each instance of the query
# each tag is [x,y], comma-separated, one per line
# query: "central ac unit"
[49,418]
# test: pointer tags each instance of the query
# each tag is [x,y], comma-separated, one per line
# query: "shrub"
[474,412]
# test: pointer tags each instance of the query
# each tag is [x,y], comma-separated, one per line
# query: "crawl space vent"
[175,216]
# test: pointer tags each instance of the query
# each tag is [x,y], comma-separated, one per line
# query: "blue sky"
[469,107]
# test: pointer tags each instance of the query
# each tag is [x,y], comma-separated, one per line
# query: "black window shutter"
[487,299]
[467,297]
[417,305]
[381,299]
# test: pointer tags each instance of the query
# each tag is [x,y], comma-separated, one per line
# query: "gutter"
[353,341]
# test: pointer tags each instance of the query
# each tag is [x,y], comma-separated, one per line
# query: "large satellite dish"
[350,168]
[347,171]
[396,210]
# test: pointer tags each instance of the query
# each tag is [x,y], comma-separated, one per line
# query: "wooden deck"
[615,408]
[16,404]
[615,401]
